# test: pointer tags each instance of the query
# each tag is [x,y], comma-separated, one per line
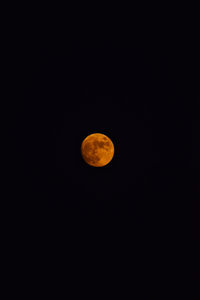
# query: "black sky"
[133,92]
[127,92]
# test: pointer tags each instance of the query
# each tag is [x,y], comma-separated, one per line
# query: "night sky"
[138,204]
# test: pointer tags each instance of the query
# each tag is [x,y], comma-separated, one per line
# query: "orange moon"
[97,150]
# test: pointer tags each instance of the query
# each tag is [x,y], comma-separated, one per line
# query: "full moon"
[97,150]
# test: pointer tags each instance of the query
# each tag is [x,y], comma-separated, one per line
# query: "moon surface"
[97,150]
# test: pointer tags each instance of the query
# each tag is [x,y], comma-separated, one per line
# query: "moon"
[97,150]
